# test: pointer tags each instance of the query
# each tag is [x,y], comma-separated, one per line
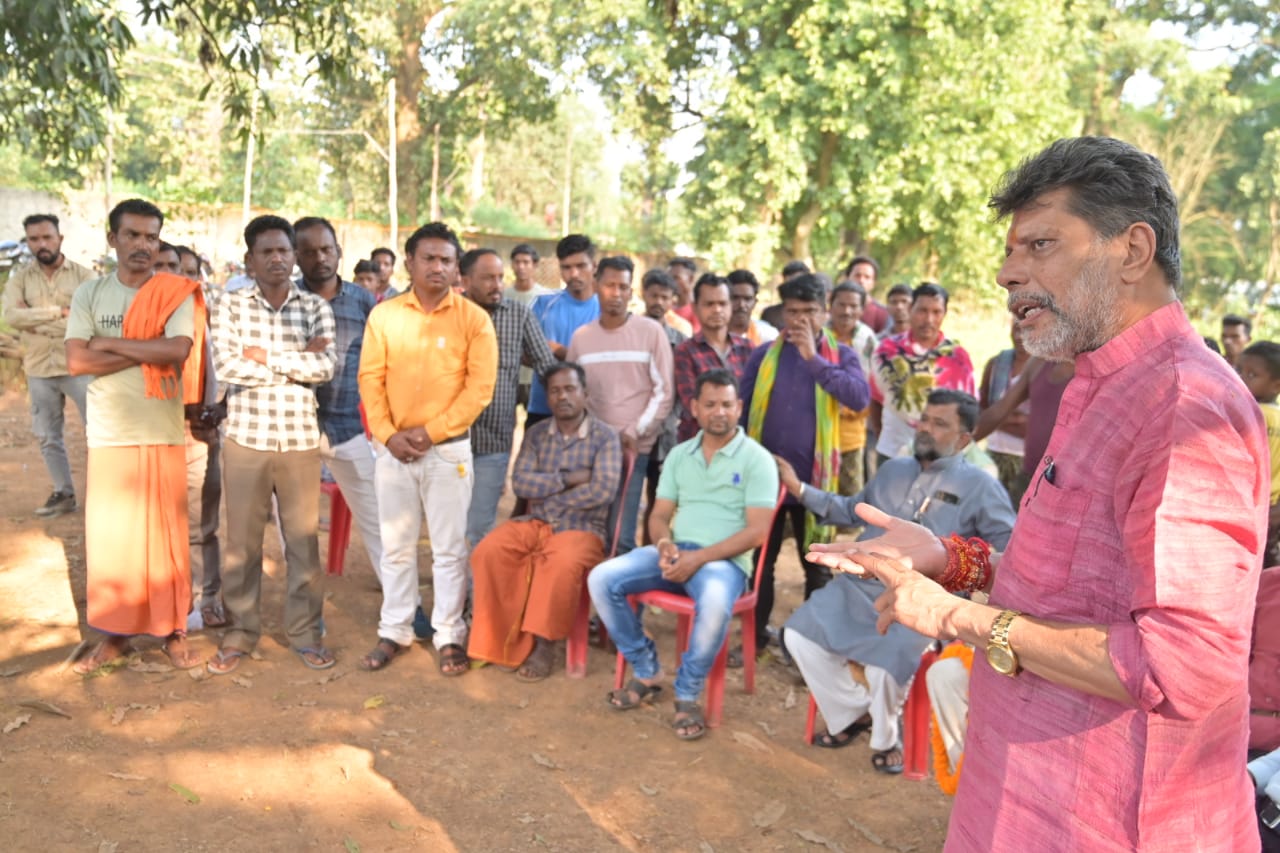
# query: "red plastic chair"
[915,723]
[340,519]
[575,647]
[682,606]
[339,528]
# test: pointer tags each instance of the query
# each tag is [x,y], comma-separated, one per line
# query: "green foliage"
[61,70]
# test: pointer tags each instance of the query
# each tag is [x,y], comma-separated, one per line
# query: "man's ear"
[1139,252]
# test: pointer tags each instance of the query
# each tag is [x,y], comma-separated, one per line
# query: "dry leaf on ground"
[47,707]
[17,723]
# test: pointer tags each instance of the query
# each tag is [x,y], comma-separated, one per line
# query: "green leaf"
[186,793]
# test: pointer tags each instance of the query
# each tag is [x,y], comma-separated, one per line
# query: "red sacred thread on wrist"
[968,564]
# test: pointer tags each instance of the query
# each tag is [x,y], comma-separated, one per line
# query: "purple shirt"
[1146,516]
[790,423]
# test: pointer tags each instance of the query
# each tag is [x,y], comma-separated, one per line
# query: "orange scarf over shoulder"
[145,320]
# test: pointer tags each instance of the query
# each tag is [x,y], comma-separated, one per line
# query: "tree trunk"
[411,22]
[802,232]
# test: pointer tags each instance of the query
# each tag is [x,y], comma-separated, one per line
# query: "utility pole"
[393,188]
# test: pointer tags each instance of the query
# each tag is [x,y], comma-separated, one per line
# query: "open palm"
[910,543]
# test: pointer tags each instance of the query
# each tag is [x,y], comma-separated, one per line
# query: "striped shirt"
[272,406]
[519,335]
[628,369]
[546,454]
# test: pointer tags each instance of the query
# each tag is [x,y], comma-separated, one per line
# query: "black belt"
[462,437]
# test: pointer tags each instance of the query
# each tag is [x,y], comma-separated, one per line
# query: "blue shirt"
[560,315]
[338,400]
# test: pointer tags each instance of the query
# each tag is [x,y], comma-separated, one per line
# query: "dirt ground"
[283,758]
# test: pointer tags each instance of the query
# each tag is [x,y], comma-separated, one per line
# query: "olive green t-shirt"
[119,412]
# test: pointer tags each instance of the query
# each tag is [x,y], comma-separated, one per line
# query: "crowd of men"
[673,448]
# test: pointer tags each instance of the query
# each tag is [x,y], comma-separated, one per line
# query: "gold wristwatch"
[1000,654]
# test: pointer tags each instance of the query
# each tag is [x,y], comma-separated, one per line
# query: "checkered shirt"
[696,356]
[546,454]
[519,335]
[272,406]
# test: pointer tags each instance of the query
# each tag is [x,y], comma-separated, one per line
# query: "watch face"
[1002,660]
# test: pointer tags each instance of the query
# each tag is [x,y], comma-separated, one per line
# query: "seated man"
[720,486]
[936,488]
[528,571]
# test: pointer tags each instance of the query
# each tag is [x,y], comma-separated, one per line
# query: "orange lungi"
[527,581]
[135,518]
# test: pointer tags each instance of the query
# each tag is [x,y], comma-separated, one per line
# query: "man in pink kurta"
[1125,598]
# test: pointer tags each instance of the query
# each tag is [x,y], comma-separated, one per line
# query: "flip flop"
[212,616]
[845,736]
[225,661]
[316,657]
[96,660]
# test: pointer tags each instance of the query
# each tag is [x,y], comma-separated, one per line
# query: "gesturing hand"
[914,545]
[910,598]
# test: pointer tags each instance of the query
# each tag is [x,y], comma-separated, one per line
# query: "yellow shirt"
[432,369]
[1271,414]
[33,304]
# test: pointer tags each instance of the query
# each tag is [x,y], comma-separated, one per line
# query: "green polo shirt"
[712,499]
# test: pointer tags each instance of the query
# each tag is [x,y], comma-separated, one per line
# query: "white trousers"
[843,700]
[439,485]
[948,683]
[352,466]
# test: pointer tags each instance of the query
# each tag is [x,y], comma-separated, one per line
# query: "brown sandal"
[453,660]
[383,653]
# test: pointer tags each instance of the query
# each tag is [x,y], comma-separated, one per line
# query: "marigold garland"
[948,780]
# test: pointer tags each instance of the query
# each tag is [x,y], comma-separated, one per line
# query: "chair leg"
[339,532]
[915,724]
[749,651]
[575,647]
[810,720]
[620,672]
[684,627]
[714,690]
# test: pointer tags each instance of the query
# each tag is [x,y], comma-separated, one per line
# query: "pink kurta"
[1151,523]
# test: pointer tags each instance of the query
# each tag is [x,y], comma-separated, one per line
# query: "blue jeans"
[629,504]
[48,401]
[491,474]
[714,588]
